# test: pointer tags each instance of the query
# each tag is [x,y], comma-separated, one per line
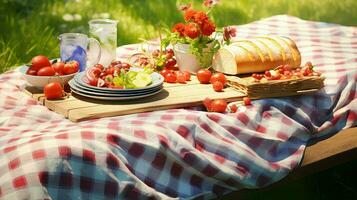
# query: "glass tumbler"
[105,31]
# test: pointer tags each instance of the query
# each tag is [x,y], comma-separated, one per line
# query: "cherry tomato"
[219,105]
[170,63]
[71,67]
[110,71]
[46,71]
[164,72]
[233,108]
[92,75]
[207,103]
[101,67]
[170,77]
[218,77]
[187,75]
[181,78]
[53,90]
[58,67]
[217,86]
[267,74]
[39,62]
[204,76]
[247,101]
[125,65]
[31,71]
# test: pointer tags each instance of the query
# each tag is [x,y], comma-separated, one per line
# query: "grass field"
[30,27]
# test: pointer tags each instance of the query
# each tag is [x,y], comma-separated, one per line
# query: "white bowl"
[41,81]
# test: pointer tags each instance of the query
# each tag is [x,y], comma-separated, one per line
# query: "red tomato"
[31,71]
[247,101]
[101,67]
[125,65]
[53,90]
[39,62]
[217,86]
[170,77]
[233,108]
[204,76]
[164,72]
[58,67]
[218,77]
[46,71]
[181,78]
[71,67]
[219,105]
[92,75]
[187,75]
[207,103]
[170,63]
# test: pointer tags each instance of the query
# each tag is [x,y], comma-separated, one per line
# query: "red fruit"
[92,75]
[170,63]
[217,86]
[267,74]
[204,76]
[58,67]
[170,77]
[218,77]
[187,75]
[53,90]
[31,71]
[164,72]
[71,67]
[233,108]
[219,105]
[125,66]
[39,62]
[180,77]
[46,71]
[247,101]
[207,103]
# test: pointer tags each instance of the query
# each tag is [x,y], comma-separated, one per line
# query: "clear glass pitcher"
[105,31]
[74,46]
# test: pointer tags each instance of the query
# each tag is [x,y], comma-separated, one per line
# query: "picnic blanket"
[178,153]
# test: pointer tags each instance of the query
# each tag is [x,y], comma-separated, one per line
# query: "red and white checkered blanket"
[178,153]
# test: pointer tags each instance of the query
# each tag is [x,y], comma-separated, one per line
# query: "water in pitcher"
[105,31]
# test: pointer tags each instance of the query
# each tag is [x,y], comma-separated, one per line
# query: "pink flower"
[210,3]
[185,7]
[229,32]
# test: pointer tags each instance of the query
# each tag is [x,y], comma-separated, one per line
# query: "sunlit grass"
[29,28]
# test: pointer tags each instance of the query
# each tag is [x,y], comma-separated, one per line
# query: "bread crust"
[260,54]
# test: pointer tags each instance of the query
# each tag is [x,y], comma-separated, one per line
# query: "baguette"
[256,55]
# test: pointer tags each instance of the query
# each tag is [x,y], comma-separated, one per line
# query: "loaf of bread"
[256,55]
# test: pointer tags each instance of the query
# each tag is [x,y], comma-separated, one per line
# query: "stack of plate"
[78,86]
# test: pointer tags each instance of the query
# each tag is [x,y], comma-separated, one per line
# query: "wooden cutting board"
[77,108]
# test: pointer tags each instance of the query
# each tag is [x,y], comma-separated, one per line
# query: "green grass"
[29,28]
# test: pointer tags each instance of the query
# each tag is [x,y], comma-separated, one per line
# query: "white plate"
[83,90]
[115,98]
[157,79]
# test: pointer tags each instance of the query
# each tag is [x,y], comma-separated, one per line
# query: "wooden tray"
[77,108]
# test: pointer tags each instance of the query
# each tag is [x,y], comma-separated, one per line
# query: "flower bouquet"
[194,41]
